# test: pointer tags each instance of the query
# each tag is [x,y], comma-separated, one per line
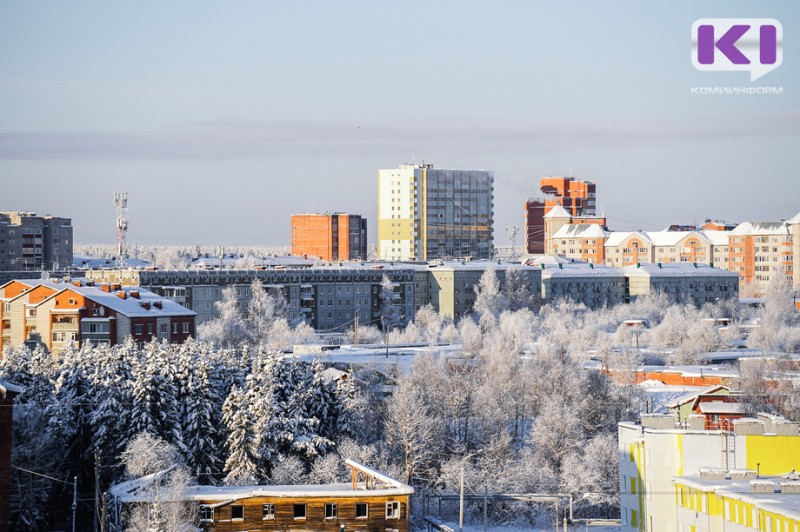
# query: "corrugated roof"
[558,212]
[761,228]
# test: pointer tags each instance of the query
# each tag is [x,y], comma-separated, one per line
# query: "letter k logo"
[726,44]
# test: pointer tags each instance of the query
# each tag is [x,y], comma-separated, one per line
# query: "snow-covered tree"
[229,329]
[241,464]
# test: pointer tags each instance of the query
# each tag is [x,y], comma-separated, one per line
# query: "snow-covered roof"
[580,231]
[476,265]
[383,486]
[109,263]
[579,269]
[690,396]
[761,228]
[782,503]
[720,407]
[615,238]
[131,306]
[6,387]
[671,238]
[558,212]
[794,219]
[676,269]
[717,238]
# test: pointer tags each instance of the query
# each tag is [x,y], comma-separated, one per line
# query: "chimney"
[145,304]
[135,294]
[122,294]
[116,286]
[105,287]
[158,304]
[76,282]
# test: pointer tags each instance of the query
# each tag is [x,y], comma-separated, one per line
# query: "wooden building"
[370,502]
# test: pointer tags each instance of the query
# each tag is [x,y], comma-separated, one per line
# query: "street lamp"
[461,492]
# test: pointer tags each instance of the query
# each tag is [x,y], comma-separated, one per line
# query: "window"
[362,510]
[206,513]
[300,511]
[237,512]
[267,511]
[393,510]
[150,329]
[137,329]
[330,510]
[164,328]
[186,327]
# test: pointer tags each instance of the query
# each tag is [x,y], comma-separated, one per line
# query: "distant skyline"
[222,119]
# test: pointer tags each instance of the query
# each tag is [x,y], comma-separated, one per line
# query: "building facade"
[34,243]
[576,196]
[329,236]
[427,213]
[54,314]
[656,453]
[328,298]
[371,501]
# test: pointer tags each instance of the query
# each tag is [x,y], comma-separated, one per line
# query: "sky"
[221,119]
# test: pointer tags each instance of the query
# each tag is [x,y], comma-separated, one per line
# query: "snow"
[785,504]
[580,231]
[6,387]
[795,219]
[671,238]
[618,237]
[761,228]
[558,212]
[677,269]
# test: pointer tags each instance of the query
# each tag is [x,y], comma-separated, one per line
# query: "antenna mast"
[512,235]
[121,203]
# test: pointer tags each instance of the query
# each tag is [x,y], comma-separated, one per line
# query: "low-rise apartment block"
[55,314]
[658,459]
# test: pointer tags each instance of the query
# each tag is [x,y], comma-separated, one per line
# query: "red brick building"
[329,236]
[576,196]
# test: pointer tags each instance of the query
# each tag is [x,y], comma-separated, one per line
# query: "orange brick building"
[329,236]
[53,314]
[574,195]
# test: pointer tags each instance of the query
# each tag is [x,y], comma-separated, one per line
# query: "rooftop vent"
[762,486]
[135,294]
[743,474]
[712,473]
[122,294]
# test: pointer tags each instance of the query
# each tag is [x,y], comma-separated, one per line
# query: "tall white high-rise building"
[427,213]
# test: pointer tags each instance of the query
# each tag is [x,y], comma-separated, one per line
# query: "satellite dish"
[102,311]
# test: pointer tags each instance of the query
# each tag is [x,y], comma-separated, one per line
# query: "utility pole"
[96,489]
[121,203]
[355,331]
[385,335]
[74,500]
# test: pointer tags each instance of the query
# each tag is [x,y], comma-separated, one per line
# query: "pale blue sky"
[222,118]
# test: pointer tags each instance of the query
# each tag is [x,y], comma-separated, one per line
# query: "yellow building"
[652,455]
[739,500]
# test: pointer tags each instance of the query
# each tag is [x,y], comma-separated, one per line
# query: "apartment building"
[682,282]
[754,250]
[329,236]
[757,249]
[716,500]
[54,314]
[427,213]
[451,284]
[593,285]
[577,197]
[325,297]
[34,243]
[657,457]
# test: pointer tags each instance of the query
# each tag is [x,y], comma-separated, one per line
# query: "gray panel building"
[34,243]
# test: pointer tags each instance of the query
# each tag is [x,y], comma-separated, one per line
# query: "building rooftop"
[558,212]
[676,269]
[761,228]
[779,502]
[615,238]
[580,231]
